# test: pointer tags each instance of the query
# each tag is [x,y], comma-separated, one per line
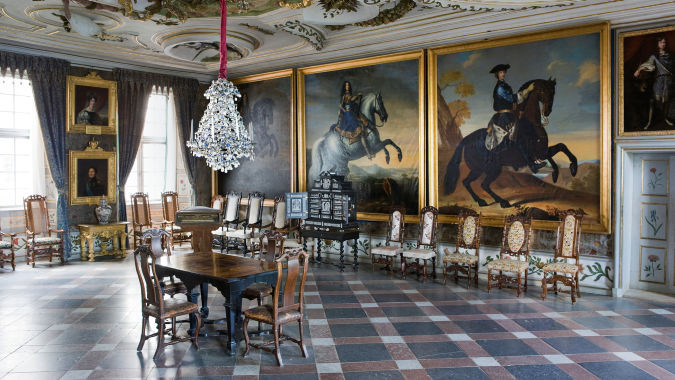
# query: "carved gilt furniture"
[250,227]
[427,245]
[386,254]
[115,232]
[37,225]
[7,245]
[154,305]
[284,311]
[468,238]
[514,255]
[230,218]
[140,216]
[567,248]
[169,209]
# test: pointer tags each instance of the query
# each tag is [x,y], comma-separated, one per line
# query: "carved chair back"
[516,238]
[169,205]
[569,231]
[428,228]
[396,226]
[36,215]
[217,202]
[468,230]
[290,259]
[140,210]
[232,208]
[151,291]
[155,237]
[254,210]
[271,245]
[279,221]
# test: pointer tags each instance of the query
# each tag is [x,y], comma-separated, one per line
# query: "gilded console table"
[115,230]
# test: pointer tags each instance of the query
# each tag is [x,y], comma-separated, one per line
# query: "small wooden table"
[341,236]
[228,273]
[115,230]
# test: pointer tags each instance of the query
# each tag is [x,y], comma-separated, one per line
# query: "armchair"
[39,238]
[169,208]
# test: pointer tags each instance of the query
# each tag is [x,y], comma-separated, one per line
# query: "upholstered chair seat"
[5,244]
[387,250]
[47,240]
[460,258]
[265,314]
[508,265]
[419,253]
[561,268]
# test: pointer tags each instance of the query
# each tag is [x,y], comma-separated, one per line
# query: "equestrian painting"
[537,146]
[363,119]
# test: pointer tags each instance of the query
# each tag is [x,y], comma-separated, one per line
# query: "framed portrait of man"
[646,63]
[91,105]
[92,175]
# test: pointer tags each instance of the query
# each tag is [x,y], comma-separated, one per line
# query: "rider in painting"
[662,65]
[351,123]
[503,122]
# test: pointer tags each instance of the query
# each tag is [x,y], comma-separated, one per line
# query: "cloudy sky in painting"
[397,82]
[573,61]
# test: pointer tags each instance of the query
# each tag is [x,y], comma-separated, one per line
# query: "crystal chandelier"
[222,138]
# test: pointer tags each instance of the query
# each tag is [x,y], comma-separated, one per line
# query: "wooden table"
[337,235]
[115,230]
[228,273]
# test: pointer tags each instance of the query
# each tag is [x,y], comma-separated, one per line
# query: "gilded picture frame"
[462,64]
[394,79]
[272,125]
[639,112]
[91,105]
[92,175]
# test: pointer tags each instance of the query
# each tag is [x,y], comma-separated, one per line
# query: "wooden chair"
[283,225]
[37,225]
[4,245]
[514,255]
[386,254]
[154,305]
[140,216]
[468,238]
[240,237]
[567,247]
[218,202]
[155,239]
[426,238]
[169,208]
[278,313]
[230,218]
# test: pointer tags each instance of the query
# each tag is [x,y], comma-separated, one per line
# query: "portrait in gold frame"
[92,175]
[320,109]
[91,105]
[487,54]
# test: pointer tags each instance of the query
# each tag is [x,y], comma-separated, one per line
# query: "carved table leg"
[204,311]
[318,250]
[192,297]
[356,258]
[116,244]
[90,240]
[342,256]
[83,246]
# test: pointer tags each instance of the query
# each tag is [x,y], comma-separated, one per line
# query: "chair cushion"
[172,306]
[255,290]
[173,228]
[172,288]
[387,250]
[46,240]
[292,243]
[561,268]
[239,234]
[419,253]
[264,314]
[508,265]
[460,258]
[5,244]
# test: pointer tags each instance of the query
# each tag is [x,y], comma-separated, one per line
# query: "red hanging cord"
[222,71]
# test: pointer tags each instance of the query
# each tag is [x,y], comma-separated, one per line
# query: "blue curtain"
[48,79]
[185,98]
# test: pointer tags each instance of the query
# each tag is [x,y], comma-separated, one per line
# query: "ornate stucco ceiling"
[183,35]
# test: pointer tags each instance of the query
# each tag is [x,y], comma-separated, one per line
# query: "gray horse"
[332,152]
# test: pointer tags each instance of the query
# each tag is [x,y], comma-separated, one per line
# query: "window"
[154,170]
[21,149]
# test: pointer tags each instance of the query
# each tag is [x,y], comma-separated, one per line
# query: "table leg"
[356,259]
[233,310]
[83,246]
[318,250]
[90,240]
[116,245]
[204,311]
[192,296]
[342,256]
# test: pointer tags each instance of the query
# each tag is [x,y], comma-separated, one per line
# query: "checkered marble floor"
[82,320]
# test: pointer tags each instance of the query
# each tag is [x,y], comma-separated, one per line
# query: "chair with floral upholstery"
[514,255]
[7,245]
[385,255]
[427,245]
[230,218]
[169,209]
[250,227]
[40,238]
[468,238]
[567,248]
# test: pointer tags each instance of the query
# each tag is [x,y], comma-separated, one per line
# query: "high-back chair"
[230,217]
[140,216]
[250,227]
[393,246]
[427,245]
[284,309]
[218,202]
[283,225]
[169,209]
[155,238]
[514,255]
[154,305]
[566,249]
[41,239]
[468,238]
[7,245]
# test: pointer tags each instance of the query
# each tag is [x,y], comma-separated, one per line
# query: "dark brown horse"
[530,134]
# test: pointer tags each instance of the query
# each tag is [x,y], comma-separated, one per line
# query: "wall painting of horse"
[370,130]
[555,154]
[266,108]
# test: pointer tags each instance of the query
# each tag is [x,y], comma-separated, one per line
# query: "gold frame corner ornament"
[350,64]
[93,80]
[603,30]
[89,153]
